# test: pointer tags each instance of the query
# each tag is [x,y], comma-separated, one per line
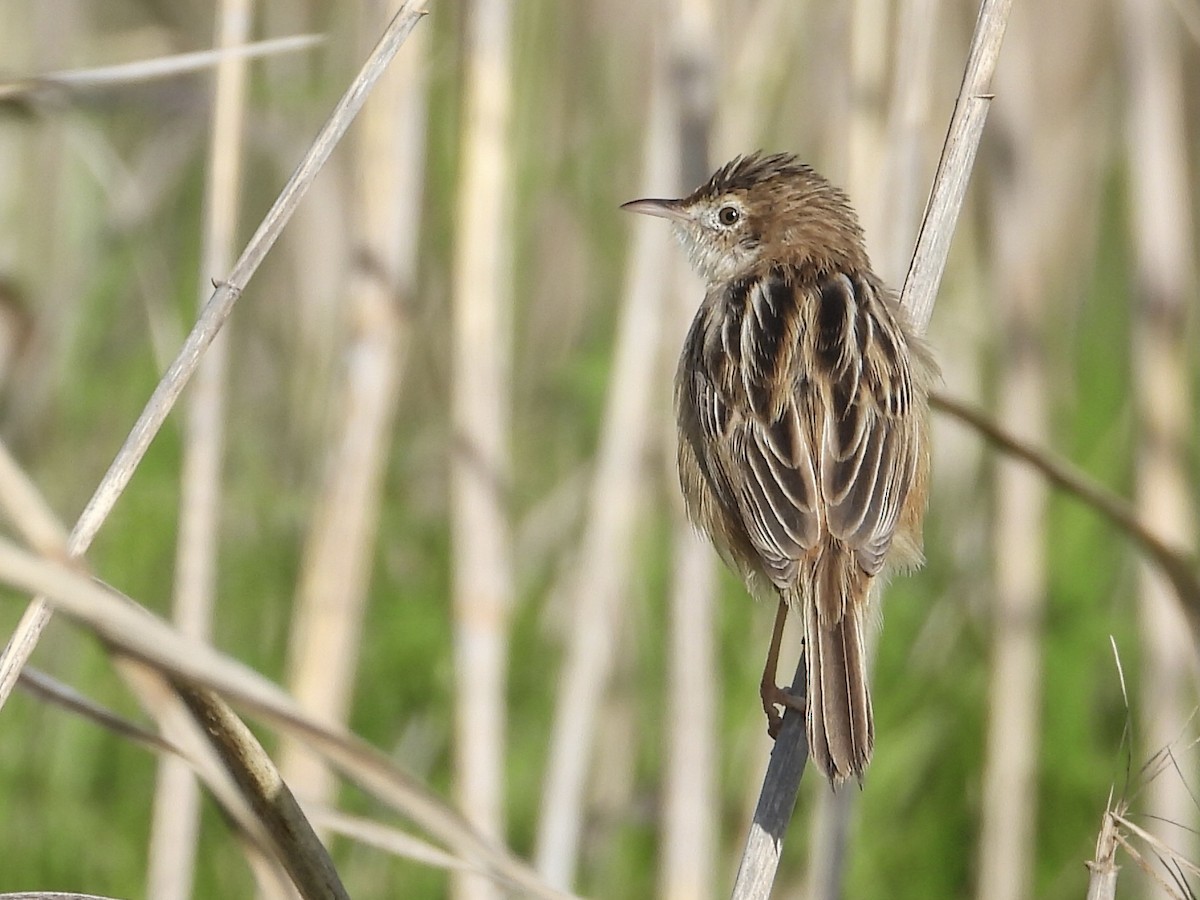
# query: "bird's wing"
[810,413]
[870,431]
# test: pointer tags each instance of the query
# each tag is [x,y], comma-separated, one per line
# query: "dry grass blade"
[215,312]
[151,69]
[38,684]
[1176,564]
[364,831]
[954,168]
[389,840]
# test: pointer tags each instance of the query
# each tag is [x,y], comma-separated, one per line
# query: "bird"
[801,399]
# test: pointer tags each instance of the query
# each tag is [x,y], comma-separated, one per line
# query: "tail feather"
[840,726]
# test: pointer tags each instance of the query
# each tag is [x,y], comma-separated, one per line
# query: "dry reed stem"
[1102,882]
[1157,149]
[954,168]
[760,858]
[335,574]
[216,311]
[303,854]
[1013,732]
[175,821]
[482,577]
[690,806]
[602,572]
[296,844]
[97,77]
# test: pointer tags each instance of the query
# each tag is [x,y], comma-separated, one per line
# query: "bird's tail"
[840,726]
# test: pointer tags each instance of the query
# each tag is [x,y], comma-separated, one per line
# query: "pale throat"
[715,263]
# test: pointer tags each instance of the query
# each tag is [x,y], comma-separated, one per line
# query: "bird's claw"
[774,696]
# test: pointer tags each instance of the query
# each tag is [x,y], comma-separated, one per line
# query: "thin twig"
[152,69]
[1176,564]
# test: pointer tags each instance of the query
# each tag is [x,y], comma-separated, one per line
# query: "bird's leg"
[772,694]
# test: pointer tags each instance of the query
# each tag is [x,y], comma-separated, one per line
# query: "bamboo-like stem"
[332,593]
[175,821]
[760,858]
[482,583]
[1009,808]
[616,494]
[1103,868]
[689,822]
[1165,283]
[215,312]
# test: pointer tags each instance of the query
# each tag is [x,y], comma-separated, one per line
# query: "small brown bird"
[802,404]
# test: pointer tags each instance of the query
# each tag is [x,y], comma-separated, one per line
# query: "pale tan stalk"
[1009,809]
[1157,148]
[690,806]
[482,583]
[602,572]
[332,592]
[175,822]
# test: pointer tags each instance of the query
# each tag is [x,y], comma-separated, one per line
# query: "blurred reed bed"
[438,505]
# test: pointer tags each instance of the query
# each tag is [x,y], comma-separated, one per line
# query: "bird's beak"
[663,209]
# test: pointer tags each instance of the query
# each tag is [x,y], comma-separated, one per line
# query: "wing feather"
[806,419]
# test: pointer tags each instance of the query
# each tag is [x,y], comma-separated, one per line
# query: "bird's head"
[761,208]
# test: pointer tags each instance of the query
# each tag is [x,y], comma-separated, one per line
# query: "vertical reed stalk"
[687,862]
[176,817]
[616,496]
[1157,146]
[335,575]
[480,475]
[1009,814]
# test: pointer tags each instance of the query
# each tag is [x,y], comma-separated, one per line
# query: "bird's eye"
[728,215]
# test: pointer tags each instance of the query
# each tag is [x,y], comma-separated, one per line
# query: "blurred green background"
[101,210]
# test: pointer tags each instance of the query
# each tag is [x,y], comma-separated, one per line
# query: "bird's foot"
[774,696]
